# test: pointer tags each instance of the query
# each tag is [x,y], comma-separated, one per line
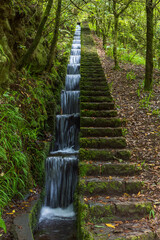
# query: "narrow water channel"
[57,219]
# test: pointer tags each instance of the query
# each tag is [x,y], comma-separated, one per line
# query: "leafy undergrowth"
[141,110]
[25,110]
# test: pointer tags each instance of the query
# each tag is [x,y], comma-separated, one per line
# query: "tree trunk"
[104,39]
[25,59]
[51,56]
[115,42]
[149,50]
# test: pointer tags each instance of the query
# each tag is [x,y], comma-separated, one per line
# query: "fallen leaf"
[110,225]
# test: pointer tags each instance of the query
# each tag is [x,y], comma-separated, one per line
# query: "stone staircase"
[109,184]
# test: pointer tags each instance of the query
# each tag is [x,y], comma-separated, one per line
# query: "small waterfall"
[70,102]
[60,190]
[75,59]
[62,164]
[75,51]
[67,131]
[72,82]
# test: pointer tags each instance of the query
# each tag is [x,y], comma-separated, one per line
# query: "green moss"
[110,187]
[99,213]
[101,143]
[134,186]
[119,169]
[93,113]
[100,122]
[95,99]
[103,155]
[93,93]
[100,132]
[97,106]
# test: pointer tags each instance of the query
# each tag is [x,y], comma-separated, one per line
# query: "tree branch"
[127,5]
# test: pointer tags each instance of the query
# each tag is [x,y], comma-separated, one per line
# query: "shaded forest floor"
[142,129]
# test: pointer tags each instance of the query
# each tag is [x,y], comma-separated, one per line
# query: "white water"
[48,213]
[61,170]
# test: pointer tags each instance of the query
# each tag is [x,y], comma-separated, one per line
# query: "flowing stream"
[57,218]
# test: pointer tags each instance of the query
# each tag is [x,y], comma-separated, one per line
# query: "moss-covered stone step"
[96,99]
[93,87]
[103,142]
[100,132]
[91,186]
[94,75]
[89,168]
[90,64]
[100,113]
[95,93]
[103,211]
[93,82]
[104,154]
[91,68]
[100,122]
[92,71]
[97,106]
[124,231]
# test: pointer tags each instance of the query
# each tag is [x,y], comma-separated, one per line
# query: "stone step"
[96,99]
[104,154]
[93,87]
[100,122]
[94,75]
[102,210]
[128,230]
[100,113]
[93,82]
[90,71]
[97,106]
[95,93]
[90,168]
[90,64]
[90,186]
[100,132]
[102,142]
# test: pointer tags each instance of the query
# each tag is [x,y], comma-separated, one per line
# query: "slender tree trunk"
[149,50]
[104,39]
[25,59]
[104,35]
[115,42]
[51,56]
[97,28]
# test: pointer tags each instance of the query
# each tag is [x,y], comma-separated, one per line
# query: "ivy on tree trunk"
[25,59]
[149,50]
[51,56]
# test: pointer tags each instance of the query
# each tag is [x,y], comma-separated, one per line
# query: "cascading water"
[57,218]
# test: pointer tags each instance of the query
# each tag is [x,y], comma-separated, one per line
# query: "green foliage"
[130,76]
[145,101]
[151,214]
[23,113]
[2,224]
[124,131]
